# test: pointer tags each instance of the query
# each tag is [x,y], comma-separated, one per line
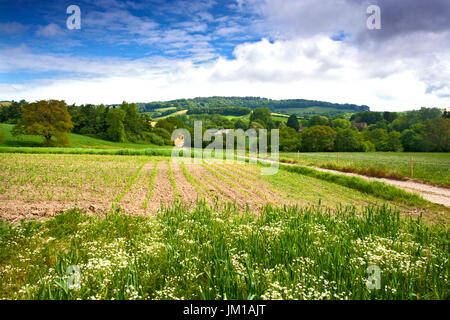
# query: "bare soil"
[163,193]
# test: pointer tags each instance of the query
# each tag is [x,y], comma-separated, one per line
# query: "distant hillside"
[5,103]
[291,106]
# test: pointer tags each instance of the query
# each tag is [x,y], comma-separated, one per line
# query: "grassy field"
[223,253]
[429,167]
[76,141]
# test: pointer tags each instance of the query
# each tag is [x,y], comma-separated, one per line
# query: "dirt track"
[431,193]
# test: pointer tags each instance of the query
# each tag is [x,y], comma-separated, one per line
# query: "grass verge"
[150,188]
[376,188]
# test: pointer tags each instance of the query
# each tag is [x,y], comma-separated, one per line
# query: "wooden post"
[338,158]
[411,165]
[298,154]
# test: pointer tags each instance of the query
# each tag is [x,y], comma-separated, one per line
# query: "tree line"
[427,129]
[424,130]
[246,102]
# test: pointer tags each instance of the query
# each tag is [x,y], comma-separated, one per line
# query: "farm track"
[431,193]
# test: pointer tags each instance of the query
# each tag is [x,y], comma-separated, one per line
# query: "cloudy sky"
[147,50]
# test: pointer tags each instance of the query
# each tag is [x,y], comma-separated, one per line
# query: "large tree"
[318,138]
[292,122]
[116,128]
[47,118]
[263,116]
[438,134]
[348,140]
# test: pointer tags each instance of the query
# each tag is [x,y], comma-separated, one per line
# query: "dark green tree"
[438,134]
[293,123]
[290,140]
[318,138]
[340,123]
[349,140]
[264,116]
[318,121]
[114,122]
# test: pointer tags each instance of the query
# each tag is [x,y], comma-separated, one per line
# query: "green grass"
[314,110]
[76,141]
[128,185]
[172,114]
[378,189]
[221,253]
[429,167]
[151,185]
[173,182]
[165,109]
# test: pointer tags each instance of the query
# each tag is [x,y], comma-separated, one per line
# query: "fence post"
[411,165]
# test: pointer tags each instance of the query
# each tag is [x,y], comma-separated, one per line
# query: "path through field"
[433,194]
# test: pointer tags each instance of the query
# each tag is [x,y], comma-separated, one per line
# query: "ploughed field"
[39,186]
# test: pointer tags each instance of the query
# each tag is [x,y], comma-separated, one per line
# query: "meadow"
[225,253]
[77,141]
[427,167]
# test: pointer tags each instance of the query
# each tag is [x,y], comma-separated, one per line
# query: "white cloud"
[50,30]
[317,68]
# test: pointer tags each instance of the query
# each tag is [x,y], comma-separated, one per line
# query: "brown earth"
[186,191]
[133,200]
[162,193]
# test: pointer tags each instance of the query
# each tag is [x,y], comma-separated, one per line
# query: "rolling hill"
[290,106]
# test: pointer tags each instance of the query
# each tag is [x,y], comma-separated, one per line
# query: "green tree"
[290,140]
[413,141]
[318,121]
[292,122]
[114,122]
[240,124]
[318,138]
[390,116]
[256,125]
[394,142]
[349,140]
[47,118]
[379,138]
[264,116]
[165,124]
[438,134]
[340,123]
[367,117]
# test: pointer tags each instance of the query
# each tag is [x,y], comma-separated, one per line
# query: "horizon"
[148,51]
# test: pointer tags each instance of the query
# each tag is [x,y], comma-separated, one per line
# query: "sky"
[155,50]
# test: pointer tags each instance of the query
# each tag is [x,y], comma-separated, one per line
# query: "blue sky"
[160,50]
